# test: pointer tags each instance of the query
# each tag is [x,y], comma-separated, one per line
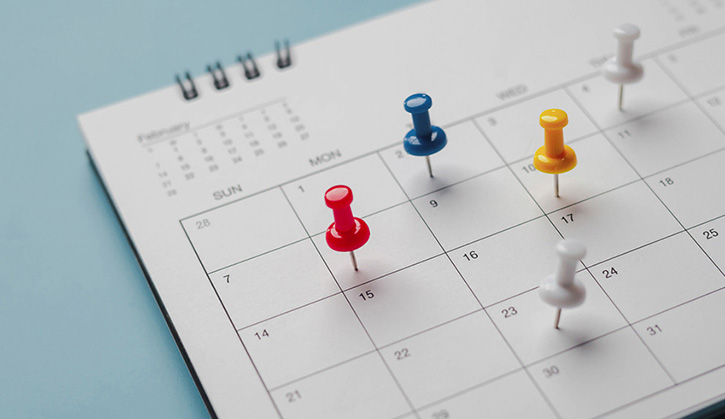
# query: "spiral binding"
[219,76]
[189,92]
[251,71]
[249,68]
[283,61]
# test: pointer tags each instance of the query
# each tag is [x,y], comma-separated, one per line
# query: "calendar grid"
[414,410]
[506,341]
[604,134]
[587,267]
[531,196]
[357,316]
[629,325]
[231,321]
[524,366]
[600,262]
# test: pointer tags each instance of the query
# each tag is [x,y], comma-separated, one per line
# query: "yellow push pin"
[554,156]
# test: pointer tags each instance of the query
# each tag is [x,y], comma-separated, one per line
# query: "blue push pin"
[424,139]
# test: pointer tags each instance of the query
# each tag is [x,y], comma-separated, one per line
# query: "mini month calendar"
[219,181]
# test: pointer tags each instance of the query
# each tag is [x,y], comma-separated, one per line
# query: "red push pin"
[347,233]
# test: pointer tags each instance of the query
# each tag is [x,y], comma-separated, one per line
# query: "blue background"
[80,332]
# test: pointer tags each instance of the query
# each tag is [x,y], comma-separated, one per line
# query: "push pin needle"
[347,233]
[354,261]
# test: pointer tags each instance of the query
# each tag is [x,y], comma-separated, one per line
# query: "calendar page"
[223,199]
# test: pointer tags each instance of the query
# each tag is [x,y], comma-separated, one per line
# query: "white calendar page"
[222,197]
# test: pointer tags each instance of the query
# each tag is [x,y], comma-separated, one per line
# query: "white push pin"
[562,289]
[621,68]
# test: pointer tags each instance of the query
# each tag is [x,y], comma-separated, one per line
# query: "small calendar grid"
[224,144]
[546,213]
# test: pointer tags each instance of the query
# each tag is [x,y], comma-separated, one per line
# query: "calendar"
[219,182]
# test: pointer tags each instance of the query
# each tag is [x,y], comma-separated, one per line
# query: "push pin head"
[424,139]
[621,69]
[561,289]
[347,233]
[554,156]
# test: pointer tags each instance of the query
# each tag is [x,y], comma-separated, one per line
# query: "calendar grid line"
[589,198]
[705,222]
[640,247]
[651,175]
[702,405]
[692,160]
[325,369]
[426,330]
[682,87]
[658,110]
[372,341]
[377,278]
[387,345]
[376,212]
[456,183]
[518,294]
[488,236]
[641,116]
[649,349]
[508,344]
[631,326]
[633,402]
[644,319]
[256,256]
[344,290]
[472,388]
[292,310]
[229,317]
[403,416]
[690,95]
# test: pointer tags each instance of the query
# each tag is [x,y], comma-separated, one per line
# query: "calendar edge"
[154,291]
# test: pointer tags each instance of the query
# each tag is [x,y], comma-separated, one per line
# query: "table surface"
[82,335]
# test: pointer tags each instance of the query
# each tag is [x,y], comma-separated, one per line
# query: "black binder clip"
[283,60]
[251,71]
[188,89]
[220,78]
